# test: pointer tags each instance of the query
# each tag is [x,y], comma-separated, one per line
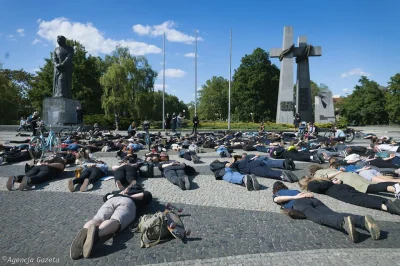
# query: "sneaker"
[88,245]
[10,183]
[292,165]
[393,207]
[247,182]
[348,226]
[119,185]
[372,227]
[397,190]
[84,185]
[187,182]
[76,248]
[321,158]
[254,181]
[286,176]
[71,186]
[24,183]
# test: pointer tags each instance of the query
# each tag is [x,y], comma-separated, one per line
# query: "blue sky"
[357,36]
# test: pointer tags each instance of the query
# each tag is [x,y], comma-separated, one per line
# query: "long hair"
[305,180]
[314,168]
[278,185]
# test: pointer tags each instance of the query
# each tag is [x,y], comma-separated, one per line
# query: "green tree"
[393,99]
[366,105]
[10,96]
[255,87]
[213,99]
[172,104]
[127,80]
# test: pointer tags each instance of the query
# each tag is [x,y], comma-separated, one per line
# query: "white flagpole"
[230,77]
[195,75]
[163,97]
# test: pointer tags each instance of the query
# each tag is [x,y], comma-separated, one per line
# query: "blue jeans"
[273,163]
[233,177]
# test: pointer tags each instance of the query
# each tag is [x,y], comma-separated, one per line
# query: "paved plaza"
[230,225]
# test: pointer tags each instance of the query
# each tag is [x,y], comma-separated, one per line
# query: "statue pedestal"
[60,110]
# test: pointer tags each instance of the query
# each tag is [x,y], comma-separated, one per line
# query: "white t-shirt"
[387,147]
[339,133]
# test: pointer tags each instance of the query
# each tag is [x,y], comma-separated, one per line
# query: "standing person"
[79,115]
[297,120]
[21,124]
[174,121]
[167,122]
[116,117]
[179,121]
[195,123]
[34,120]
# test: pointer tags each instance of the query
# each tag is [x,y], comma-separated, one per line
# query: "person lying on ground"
[354,180]
[335,189]
[117,212]
[88,174]
[286,164]
[176,173]
[126,174]
[317,212]
[260,168]
[372,175]
[36,175]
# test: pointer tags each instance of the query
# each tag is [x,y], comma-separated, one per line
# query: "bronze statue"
[62,59]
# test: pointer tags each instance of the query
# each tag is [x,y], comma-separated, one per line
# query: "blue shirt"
[286,192]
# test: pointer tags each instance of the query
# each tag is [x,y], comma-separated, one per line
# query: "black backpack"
[146,169]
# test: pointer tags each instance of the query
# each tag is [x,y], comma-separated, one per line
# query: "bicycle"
[70,131]
[350,134]
[147,139]
[39,145]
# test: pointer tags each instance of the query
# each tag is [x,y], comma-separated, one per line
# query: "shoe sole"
[372,227]
[351,230]
[187,183]
[88,245]
[249,183]
[256,185]
[76,248]
[10,183]
[84,185]
[71,186]
[23,184]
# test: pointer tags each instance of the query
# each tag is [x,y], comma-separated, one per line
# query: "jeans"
[319,213]
[233,177]
[273,163]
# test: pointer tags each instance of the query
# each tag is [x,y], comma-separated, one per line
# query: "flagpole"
[230,77]
[195,75]
[163,97]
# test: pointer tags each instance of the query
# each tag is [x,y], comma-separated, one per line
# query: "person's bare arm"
[281,199]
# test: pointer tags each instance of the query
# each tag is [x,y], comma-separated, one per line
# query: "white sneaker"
[397,190]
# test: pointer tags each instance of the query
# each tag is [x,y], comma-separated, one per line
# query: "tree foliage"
[393,99]
[366,105]
[9,100]
[255,87]
[213,99]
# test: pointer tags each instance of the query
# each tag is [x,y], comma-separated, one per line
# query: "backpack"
[277,153]
[146,169]
[156,227]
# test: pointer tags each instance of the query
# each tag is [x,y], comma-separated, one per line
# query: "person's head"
[304,181]
[333,160]
[314,168]
[244,155]
[236,157]
[278,185]
[61,40]
[77,108]
[334,165]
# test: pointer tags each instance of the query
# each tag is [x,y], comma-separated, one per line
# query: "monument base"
[60,110]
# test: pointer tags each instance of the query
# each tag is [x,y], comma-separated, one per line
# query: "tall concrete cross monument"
[285,106]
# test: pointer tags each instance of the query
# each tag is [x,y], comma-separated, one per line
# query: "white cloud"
[11,38]
[160,86]
[172,73]
[191,55]
[35,41]
[355,72]
[21,32]
[168,27]
[90,37]
[336,96]
[345,90]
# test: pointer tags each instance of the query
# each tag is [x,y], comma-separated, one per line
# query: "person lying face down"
[317,212]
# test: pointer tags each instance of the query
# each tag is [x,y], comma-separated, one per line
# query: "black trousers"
[378,162]
[303,156]
[92,173]
[175,174]
[126,174]
[348,194]
[379,187]
[15,157]
[319,213]
[39,174]
[194,128]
